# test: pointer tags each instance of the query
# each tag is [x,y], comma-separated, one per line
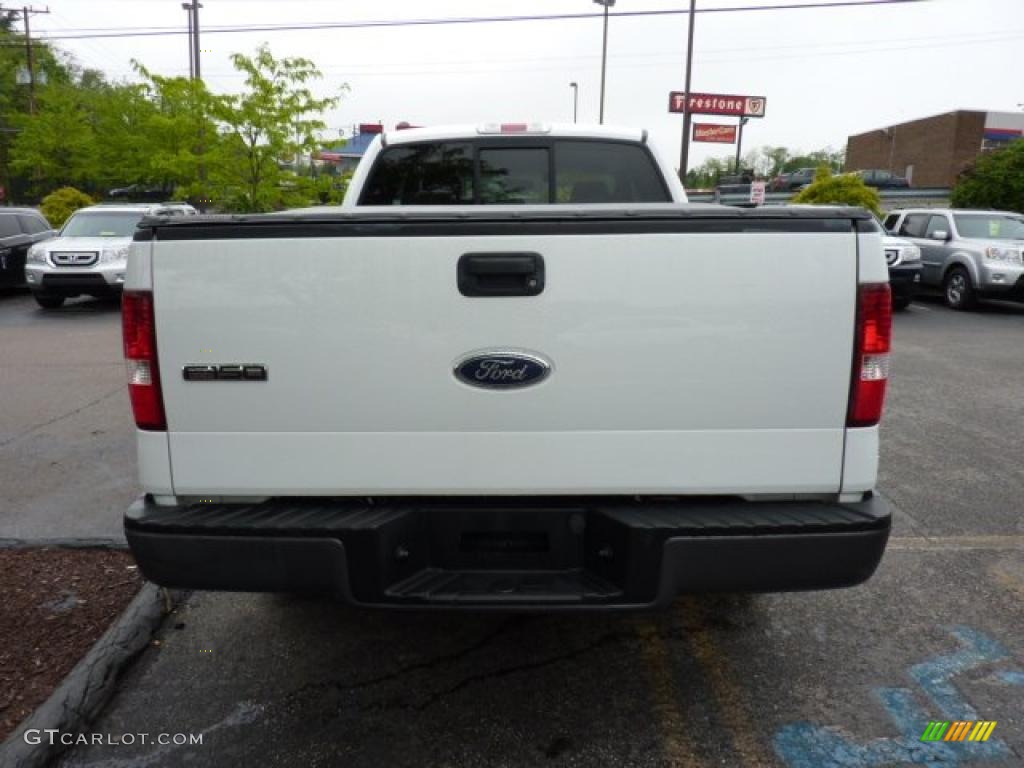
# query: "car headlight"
[36,254]
[115,254]
[1002,254]
[911,253]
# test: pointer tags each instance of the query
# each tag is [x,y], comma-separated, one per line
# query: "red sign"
[717,104]
[715,134]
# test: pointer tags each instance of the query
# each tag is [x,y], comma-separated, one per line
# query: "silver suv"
[970,255]
[90,254]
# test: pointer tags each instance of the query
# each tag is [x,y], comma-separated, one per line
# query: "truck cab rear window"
[464,173]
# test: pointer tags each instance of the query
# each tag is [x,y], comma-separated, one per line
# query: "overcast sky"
[826,73]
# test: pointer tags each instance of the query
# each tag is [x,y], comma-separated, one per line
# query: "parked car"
[904,261]
[738,184]
[20,229]
[793,181]
[470,387]
[968,254]
[882,179]
[89,256]
[140,193]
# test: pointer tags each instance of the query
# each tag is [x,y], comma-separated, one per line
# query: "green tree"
[265,134]
[58,206]
[845,189]
[709,172]
[995,180]
[179,130]
[122,117]
[87,133]
[777,156]
[57,146]
[832,158]
[14,102]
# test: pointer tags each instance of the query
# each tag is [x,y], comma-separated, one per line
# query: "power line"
[459,66]
[165,31]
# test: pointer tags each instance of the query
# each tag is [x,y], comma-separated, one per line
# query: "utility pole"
[196,74]
[684,154]
[187,7]
[26,12]
[195,38]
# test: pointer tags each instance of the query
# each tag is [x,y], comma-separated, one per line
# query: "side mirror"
[940,234]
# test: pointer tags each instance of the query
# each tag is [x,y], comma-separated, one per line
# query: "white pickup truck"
[516,369]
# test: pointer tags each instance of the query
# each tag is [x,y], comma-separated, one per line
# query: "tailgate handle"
[501,274]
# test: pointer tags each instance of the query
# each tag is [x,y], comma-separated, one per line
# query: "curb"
[90,684]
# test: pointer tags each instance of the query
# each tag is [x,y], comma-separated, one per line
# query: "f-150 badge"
[233,372]
[502,370]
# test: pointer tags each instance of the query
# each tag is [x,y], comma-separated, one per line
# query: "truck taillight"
[871,355]
[138,326]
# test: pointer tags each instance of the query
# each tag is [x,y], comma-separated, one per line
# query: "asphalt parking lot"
[847,678]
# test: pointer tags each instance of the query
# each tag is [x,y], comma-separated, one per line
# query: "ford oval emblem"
[502,370]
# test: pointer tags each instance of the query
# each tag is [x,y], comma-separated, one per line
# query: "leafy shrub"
[845,189]
[995,180]
[58,206]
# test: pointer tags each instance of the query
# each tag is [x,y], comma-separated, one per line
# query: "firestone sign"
[717,104]
[715,134]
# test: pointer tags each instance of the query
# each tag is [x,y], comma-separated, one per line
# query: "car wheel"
[958,289]
[899,303]
[48,301]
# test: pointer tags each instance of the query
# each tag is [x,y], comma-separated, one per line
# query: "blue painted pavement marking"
[805,745]
[1011,676]
[936,675]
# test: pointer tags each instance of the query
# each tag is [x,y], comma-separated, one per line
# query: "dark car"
[139,193]
[882,179]
[20,229]
[793,181]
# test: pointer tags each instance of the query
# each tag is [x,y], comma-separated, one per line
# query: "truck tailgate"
[685,359]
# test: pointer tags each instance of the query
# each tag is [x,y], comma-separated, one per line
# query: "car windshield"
[102,224]
[990,226]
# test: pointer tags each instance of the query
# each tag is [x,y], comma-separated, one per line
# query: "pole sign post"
[714,133]
[757,190]
[717,104]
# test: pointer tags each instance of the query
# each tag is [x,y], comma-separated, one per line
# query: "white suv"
[90,254]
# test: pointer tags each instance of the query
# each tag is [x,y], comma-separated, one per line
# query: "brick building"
[932,151]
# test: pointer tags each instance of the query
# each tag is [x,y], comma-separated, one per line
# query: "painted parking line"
[677,741]
[729,695]
[921,307]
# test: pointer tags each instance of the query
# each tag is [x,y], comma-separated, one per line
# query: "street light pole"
[575,100]
[739,143]
[684,153]
[604,52]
